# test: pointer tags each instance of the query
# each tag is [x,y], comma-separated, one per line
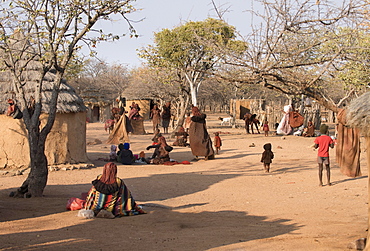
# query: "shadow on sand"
[163,228]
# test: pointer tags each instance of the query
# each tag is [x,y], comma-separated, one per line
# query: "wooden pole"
[367,248]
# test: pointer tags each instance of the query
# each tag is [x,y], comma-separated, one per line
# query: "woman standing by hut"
[200,142]
[155,115]
[166,116]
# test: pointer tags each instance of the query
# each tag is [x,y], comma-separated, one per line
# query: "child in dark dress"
[266,128]
[267,157]
[218,142]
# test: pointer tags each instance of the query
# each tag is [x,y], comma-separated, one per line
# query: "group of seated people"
[308,131]
[161,150]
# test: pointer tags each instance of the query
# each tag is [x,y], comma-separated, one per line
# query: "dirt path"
[224,204]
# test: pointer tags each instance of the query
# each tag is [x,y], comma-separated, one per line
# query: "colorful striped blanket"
[120,203]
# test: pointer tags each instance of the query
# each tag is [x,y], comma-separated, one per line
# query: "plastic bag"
[86,213]
[75,204]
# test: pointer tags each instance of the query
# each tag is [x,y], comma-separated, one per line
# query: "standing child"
[267,157]
[323,142]
[266,128]
[113,153]
[187,122]
[218,142]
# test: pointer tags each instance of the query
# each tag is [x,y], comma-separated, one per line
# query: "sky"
[160,14]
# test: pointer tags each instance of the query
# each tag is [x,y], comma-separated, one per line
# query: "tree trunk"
[184,103]
[194,94]
[233,120]
[36,181]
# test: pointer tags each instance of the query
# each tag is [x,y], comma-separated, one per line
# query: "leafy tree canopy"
[184,47]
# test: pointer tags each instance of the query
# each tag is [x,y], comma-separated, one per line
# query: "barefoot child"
[218,142]
[323,142]
[267,157]
[113,153]
[266,128]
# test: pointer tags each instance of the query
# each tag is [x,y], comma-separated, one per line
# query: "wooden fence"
[273,111]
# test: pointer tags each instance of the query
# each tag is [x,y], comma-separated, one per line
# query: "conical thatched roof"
[68,100]
[358,114]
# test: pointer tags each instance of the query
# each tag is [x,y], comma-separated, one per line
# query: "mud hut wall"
[14,150]
[104,112]
[66,142]
[241,107]
[144,105]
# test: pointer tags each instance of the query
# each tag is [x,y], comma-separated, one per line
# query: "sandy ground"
[224,204]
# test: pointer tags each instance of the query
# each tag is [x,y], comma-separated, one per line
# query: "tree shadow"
[160,229]
[156,187]
[163,228]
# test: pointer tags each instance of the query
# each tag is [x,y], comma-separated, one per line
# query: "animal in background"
[250,120]
[225,120]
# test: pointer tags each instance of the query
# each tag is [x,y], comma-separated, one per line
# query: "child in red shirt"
[323,142]
[266,128]
[218,142]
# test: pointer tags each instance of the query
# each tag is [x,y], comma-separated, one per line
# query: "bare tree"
[164,85]
[47,33]
[107,79]
[297,47]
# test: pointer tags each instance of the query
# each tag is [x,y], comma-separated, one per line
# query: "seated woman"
[13,110]
[125,155]
[161,153]
[110,196]
[310,130]
[181,137]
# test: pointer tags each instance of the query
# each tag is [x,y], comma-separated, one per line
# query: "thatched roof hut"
[99,103]
[358,114]
[66,142]
[68,100]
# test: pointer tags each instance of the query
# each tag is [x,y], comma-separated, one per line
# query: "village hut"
[239,107]
[145,103]
[99,104]
[66,143]
[358,116]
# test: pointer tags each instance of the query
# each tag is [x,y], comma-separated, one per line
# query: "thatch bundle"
[68,100]
[358,114]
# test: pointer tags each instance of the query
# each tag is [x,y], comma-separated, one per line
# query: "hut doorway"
[96,113]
